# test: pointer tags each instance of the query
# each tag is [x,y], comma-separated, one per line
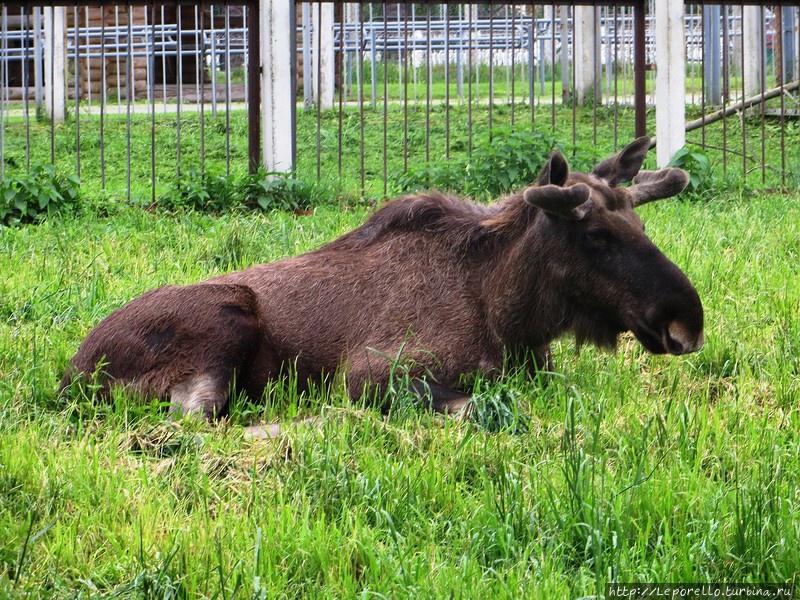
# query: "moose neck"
[524,308]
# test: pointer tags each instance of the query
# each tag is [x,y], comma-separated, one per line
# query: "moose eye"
[597,239]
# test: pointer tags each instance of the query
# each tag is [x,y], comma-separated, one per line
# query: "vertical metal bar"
[447,79]
[743,121]
[703,79]
[201,72]
[163,60]
[117,53]
[726,39]
[292,78]
[531,60]
[562,23]
[152,84]
[478,62]
[639,68]
[4,60]
[469,76]
[149,54]
[133,58]
[726,95]
[428,87]
[318,90]
[88,42]
[228,89]
[245,29]
[77,92]
[198,80]
[385,97]
[460,55]
[103,96]
[38,60]
[690,43]
[595,75]
[340,79]
[213,64]
[308,69]
[347,52]
[25,86]
[613,67]
[565,55]
[51,84]
[179,88]
[513,62]
[361,97]
[763,91]
[129,66]
[611,10]
[574,87]
[505,50]
[373,60]
[787,72]
[254,88]
[491,66]
[399,58]
[405,86]
[414,48]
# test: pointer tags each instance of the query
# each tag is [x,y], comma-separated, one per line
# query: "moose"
[456,286]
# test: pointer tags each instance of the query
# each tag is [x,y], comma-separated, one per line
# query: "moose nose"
[679,339]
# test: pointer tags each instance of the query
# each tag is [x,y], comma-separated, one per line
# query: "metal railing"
[511,66]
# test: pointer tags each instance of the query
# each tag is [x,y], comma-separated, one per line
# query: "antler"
[654,185]
[565,202]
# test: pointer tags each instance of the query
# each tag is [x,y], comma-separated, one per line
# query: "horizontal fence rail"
[388,92]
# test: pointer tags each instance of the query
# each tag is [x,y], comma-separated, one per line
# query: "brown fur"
[452,286]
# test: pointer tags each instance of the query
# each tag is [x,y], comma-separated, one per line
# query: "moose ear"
[556,170]
[654,185]
[564,202]
[625,164]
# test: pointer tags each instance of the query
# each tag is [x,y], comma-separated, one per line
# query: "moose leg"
[200,394]
[372,377]
[182,344]
[542,361]
[442,399]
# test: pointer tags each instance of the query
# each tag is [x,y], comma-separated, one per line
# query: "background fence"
[134,97]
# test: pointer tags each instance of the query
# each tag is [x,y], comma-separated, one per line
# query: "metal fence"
[152,91]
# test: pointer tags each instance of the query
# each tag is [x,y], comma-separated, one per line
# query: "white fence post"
[670,80]
[324,62]
[277,97]
[55,62]
[753,40]
[585,30]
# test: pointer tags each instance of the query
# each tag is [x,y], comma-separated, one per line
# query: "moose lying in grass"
[456,286]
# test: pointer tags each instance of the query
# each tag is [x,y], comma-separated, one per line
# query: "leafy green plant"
[511,159]
[202,191]
[698,165]
[24,197]
[270,190]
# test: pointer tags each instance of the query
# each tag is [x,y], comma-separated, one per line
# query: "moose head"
[601,262]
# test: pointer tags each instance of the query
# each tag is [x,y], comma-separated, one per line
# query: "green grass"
[629,466]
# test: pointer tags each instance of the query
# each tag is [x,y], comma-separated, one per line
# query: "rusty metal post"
[639,68]
[254,86]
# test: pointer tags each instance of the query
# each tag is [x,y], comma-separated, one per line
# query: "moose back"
[449,286]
